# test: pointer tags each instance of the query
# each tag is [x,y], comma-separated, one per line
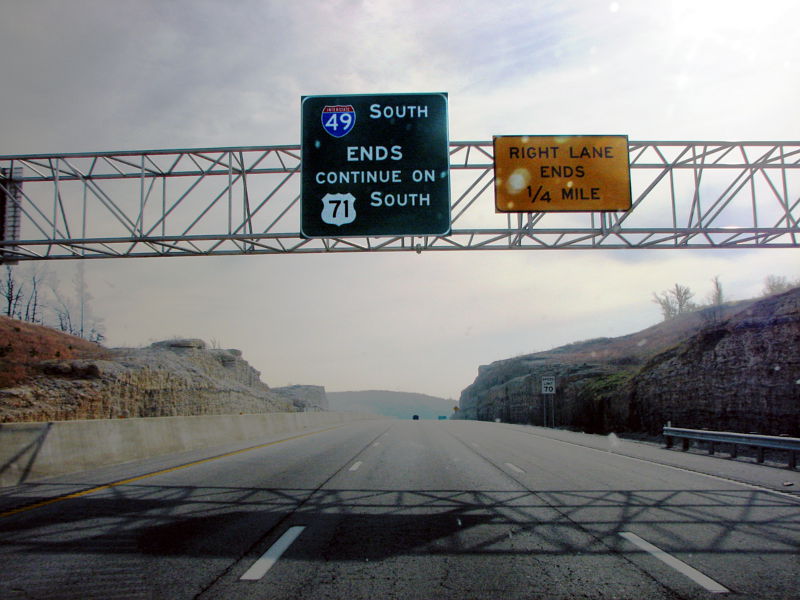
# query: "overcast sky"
[130,75]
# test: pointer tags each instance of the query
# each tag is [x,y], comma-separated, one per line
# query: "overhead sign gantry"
[231,201]
[375,165]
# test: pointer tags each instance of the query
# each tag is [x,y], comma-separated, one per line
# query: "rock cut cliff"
[735,367]
[169,378]
[740,375]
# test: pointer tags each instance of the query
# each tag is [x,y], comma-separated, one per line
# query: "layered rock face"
[172,378]
[305,397]
[739,371]
[580,400]
[743,375]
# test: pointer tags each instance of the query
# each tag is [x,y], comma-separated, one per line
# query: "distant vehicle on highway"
[415,418]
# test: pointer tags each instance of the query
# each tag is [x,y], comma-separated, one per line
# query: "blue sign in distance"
[375,165]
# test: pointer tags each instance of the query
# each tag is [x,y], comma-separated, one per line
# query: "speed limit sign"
[548,385]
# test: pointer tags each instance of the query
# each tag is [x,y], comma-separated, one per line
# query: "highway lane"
[410,509]
[170,535]
[746,538]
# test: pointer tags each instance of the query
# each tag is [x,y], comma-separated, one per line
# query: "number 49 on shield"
[335,119]
[338,120]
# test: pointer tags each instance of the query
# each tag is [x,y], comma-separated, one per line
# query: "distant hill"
[400,405]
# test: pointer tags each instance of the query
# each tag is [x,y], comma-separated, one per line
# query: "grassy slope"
[23,345]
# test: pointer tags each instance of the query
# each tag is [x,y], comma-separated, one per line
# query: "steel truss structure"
[228,201]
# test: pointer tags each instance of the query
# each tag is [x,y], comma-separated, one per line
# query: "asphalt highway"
[405,509]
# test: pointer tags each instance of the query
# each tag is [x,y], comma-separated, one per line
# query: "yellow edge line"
[99,488]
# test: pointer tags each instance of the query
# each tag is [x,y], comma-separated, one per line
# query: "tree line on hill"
[679,299]
[35,295]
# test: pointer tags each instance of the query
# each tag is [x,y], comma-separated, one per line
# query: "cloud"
[102,75]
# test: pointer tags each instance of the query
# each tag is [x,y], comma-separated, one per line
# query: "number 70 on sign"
[548,385]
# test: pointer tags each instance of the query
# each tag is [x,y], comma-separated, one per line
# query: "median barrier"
[30,451]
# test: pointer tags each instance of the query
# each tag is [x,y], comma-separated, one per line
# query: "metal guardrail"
[760,442]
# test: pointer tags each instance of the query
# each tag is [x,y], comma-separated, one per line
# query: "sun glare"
[730,24]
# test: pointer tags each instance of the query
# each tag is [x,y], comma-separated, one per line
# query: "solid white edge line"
[514,467]
[271,556]
[355,466]
[677,564]
[752,486]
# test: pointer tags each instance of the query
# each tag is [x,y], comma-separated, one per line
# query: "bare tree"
[34,295]
[712,313]
[63,312]
[90,326]
[32,307]
[675,301]
[777,284]
[73,312]
[667,305]
[716,297]
[20,302]
[12,293]
[683,298]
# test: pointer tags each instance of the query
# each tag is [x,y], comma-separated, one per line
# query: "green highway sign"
[375,165]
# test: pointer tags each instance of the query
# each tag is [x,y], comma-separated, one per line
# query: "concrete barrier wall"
[30,451]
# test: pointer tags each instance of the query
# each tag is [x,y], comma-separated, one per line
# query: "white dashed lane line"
[271,556]
[677,564]
[355,466]
[514,468]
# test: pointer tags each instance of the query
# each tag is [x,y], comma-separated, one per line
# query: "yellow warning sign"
[535,173]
